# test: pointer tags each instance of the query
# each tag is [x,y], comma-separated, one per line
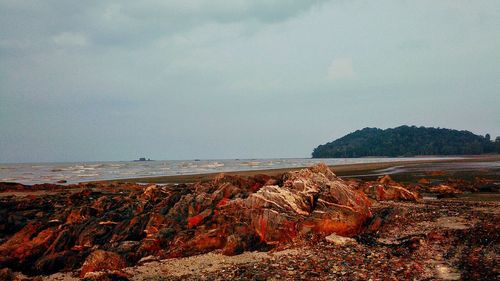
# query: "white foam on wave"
[88,175]
[213,165]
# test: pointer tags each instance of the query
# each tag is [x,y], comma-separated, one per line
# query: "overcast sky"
[179,79]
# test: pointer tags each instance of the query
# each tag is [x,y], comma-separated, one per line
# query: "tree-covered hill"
[407,141]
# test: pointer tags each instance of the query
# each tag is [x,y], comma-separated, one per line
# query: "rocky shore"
[300,225]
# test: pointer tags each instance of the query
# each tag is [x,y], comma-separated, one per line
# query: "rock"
[81,215]
[26,245]
[436,173]
[424,181]
[339,240]
[11,186]
[386,179]
[106,226]
[102,260]
[444,190]
[147,259]
[396,193]
[309,200]
[386,192]
[234,246]
[6,274]
[60,261]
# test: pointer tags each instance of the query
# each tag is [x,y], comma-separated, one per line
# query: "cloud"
[76,76]
[129,22]
[340,69]
[70,39]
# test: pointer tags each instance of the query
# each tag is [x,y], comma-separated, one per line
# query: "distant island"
[407,141]
[142,159]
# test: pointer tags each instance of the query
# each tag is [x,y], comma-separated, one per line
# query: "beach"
[249,140]
[420,220]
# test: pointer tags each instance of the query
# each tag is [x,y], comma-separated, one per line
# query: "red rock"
[375,224]
[155,223]
[310,199]
[130,221]
[386,192]
[149,246]
[100,260]
[386,179]
[80,215]
[444,190]
[233,246]
[436,173]
[11,186]
[27,244]
[424,181]
[222,202]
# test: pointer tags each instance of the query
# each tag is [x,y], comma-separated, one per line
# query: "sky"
[103,80]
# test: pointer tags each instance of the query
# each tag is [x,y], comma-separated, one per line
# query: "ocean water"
[33,173]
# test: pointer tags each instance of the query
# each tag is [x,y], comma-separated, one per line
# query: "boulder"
[386,189]
[309,200]
[100,260]
[444,190]
[382,192]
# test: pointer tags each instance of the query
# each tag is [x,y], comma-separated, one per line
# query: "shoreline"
[343,170]
[130,231]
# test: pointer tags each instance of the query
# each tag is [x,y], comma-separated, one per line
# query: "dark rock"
[60,261]
[6,274]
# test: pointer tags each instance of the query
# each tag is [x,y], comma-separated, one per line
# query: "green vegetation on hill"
[407,141]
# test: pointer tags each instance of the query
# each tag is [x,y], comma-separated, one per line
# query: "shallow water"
[492,167]
[33,173]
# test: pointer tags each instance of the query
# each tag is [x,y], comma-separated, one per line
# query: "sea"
[75,172]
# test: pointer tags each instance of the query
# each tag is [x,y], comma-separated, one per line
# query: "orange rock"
[386,179]
[102,260]
[130,221]
[436,173]
[194,221]
[384,192]
[310,199]
[444,190]
[424,181]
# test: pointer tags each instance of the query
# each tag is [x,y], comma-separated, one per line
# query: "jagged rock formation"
[385,189]
[109,226]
